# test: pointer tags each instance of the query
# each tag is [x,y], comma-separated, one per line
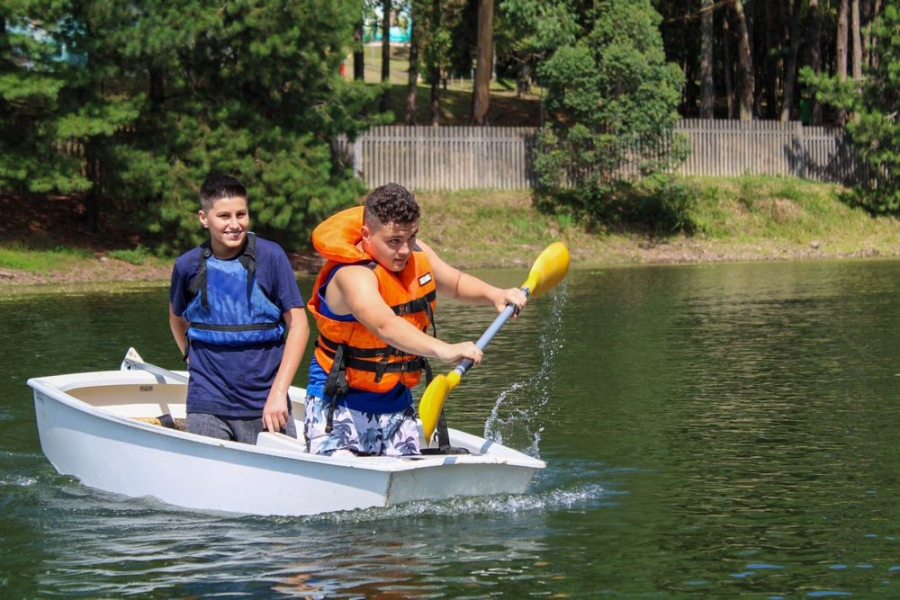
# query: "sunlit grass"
[20,258]
[755,208]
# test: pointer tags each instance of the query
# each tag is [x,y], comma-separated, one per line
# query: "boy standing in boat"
[373,303]
[231,301]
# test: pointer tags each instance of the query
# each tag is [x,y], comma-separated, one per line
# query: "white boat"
[105,429]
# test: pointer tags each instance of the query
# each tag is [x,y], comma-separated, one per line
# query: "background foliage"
[614,98]
[129,105]
[135,103]
[874,105]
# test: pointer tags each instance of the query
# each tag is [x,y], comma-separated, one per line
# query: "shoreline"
[734,220]
[107,274]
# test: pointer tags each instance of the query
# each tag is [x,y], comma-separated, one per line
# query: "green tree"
[157,94]
[39,146]
[614,99]
[874,102]
[533,30]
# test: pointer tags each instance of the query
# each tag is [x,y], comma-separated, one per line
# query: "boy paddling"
[231,301]
[374,305]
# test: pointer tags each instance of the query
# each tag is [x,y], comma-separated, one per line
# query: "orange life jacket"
[346,350]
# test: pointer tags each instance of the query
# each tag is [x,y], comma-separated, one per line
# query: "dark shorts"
[237,430]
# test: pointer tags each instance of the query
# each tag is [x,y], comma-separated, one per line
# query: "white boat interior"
[118,431]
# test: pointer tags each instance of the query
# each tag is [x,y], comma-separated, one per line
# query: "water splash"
[517,409]
[508,505]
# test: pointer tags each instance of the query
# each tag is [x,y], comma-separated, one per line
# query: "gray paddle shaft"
[488,335]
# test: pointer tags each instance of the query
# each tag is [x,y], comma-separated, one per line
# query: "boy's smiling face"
[227,221]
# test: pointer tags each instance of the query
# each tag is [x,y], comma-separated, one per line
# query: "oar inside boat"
[133,361]
[547,271]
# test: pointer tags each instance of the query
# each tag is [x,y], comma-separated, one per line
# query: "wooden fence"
[452,158]
[728,148]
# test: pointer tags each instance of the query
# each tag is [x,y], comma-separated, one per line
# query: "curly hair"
[391,203]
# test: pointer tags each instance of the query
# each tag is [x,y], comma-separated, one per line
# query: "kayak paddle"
[547,271]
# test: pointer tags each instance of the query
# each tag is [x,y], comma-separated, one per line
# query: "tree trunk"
[690,88]
[413,75]
[484,61]
[771,58]
[841,53]
[92,196]
[790,65]
[815,59]
[856,65]
[745,63]
[435,67]
[523,79]
[435,96]
[359,53]
[750,12]
[873,41]
[157,88]
[707,83]
[385,52]
[726,66]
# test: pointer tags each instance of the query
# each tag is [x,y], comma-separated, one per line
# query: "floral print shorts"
[364,434]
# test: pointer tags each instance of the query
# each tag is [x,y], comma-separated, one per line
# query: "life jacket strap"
[247,259]
[247,327]
[422,304]
[329,347]
[336,385]
[197,285]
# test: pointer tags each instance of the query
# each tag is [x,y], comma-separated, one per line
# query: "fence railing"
[453,158]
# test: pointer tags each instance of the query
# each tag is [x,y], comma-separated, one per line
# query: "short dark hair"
[220,187]
[392,203]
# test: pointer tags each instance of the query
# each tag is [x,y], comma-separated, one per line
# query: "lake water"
[712,431]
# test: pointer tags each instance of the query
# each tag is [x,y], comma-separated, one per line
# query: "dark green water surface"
[710,431]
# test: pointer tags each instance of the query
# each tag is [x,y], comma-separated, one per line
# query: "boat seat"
[279,441]
[166,421]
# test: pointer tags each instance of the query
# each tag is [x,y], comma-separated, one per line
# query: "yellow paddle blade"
[432,401]
[548,270]
[431,404]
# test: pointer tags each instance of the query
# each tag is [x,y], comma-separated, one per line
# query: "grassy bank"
[747,218]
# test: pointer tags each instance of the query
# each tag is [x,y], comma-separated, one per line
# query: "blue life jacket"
[228,307]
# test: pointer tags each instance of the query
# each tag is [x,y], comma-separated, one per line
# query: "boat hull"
[116,453]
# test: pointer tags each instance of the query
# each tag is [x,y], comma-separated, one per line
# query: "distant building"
[401,26]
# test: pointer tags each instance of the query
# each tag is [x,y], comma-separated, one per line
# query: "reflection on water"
[714,430]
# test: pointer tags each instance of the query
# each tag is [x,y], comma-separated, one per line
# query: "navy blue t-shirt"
[231,381]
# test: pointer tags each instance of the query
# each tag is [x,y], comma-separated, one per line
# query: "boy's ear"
[202,216]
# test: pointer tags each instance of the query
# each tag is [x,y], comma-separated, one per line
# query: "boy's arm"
[452,282]
[179,328]
[356,288]
[275,412]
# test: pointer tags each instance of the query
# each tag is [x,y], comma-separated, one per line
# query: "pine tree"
[133,104]
[614,99]
[874,102]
